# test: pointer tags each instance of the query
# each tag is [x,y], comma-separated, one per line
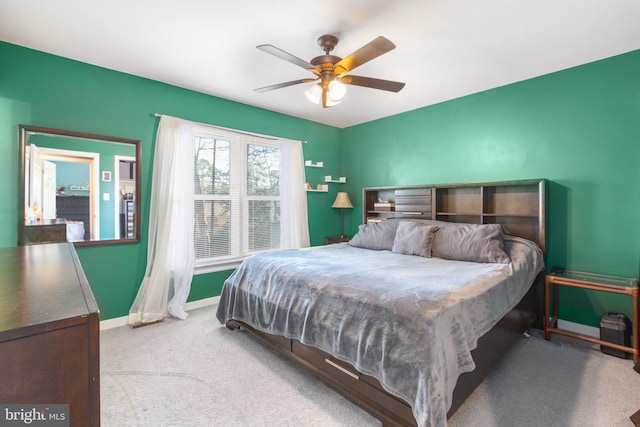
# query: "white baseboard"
[122,321]
[116,322]
[201,303]
[579,328]
[193,305]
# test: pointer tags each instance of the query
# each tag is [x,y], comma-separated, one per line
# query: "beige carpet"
[198,373]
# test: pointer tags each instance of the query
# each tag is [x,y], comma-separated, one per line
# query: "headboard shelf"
[497,215]
[520,206]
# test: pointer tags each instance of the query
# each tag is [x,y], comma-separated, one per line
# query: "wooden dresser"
[49,331]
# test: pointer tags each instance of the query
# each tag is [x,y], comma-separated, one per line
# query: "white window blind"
[237,196]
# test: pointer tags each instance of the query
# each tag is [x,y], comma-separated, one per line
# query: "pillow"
[470,242]
[377,236]
[414,238]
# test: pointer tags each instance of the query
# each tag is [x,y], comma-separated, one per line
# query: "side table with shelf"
[596,282]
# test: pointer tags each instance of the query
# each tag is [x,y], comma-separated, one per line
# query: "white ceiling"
[445,48]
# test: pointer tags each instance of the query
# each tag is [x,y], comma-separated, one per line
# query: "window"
[237,197]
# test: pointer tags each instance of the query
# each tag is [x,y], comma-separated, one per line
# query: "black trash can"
[615,328]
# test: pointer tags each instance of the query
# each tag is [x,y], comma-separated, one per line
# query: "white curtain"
[294,222]
[170,256]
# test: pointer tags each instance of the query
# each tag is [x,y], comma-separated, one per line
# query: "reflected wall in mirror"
[77,187]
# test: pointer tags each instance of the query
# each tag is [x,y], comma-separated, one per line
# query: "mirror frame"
[25,130]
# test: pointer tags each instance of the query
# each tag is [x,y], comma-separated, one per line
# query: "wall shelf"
[310,164]
[75,187]
[323,189]
[341,180]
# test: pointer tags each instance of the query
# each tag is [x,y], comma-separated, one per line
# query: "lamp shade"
[342,201]
[314,93]
[337,91]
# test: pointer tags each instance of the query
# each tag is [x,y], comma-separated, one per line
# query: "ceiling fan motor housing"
[326,65]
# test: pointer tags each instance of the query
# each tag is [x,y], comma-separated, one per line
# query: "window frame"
[238,197]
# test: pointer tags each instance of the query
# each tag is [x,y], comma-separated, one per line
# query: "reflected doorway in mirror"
[44,195]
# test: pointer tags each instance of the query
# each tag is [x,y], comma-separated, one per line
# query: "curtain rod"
[228,129]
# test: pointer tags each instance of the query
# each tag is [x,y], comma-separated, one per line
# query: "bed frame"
[519,205]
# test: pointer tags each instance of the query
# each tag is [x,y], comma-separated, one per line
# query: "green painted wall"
[44,90]
[579,128]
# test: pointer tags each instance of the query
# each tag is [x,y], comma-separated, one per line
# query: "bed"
[406,319]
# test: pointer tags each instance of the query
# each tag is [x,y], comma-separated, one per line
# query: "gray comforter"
[411,322]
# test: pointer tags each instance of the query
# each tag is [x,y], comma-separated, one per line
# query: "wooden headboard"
[520,206]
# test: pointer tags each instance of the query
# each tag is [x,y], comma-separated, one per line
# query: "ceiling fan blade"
[366,53]
[288,57]
[388,85]
[281,85]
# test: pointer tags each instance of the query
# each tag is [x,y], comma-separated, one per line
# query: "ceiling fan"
[330,70]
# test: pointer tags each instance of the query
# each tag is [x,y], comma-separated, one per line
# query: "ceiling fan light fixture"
[337,91]
[314,93]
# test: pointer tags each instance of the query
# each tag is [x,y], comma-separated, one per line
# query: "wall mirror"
[77,187]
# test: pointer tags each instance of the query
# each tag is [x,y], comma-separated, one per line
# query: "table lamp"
[342,202]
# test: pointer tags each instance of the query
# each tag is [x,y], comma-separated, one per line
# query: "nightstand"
[596,282]
[335,239]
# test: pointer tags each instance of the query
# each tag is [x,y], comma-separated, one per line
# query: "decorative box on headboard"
[384,206]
